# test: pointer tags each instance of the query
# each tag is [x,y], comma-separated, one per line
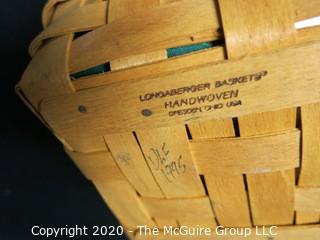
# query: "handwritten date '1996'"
[162,161]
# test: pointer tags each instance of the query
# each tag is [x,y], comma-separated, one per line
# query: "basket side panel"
[251,33]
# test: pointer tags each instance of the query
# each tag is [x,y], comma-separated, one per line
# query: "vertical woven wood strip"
[124,147]
[140,176]
[118,9]
[168,155]
[253,31]
[130,160]
[227,193]
[63,10]
[123,8]
[310,165]
[114,188]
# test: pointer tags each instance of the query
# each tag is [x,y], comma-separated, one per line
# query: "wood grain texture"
[168,156]
[122,8]
[305,11]
[49,10]
[86,55]
[114,188]
[124,147]
[267,208]
[47,73]
[310,165]
[306,35]
[260,154]
[79,20]
[153,69]
[221,128]
[124,203]
[254,33]
[308,200]
[229,199]
[188,212]
[174,64]
[141,173]
[123,37]
[307,217]
[104,115]
[85,145]
[94,166]
[227,192]
[125,129]
[130,160]
[138,60]
[63,8]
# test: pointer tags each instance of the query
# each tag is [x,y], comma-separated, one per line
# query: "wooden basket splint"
[186,112]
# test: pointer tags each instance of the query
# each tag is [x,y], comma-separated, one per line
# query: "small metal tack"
[146,112]
[82,109]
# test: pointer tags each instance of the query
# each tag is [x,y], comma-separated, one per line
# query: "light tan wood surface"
[178,209]
[254,33]
[105,115]
[226,135]
[309,174]
[79,20]
[197,22]
[230,205]
[130,160]
[270,153]
[167,153]
[113,187]
[308,200]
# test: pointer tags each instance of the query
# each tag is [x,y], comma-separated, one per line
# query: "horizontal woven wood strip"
[174,64]
[307,199]
[196,21]
[193,210]
[152,70]
[304,11]
[96,166]
[104,45]
[259,154]
[261,74]
[310,232]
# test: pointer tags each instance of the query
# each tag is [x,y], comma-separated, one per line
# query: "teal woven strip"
[91,71]
[173,52]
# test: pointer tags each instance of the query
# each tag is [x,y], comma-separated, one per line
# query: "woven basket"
[190,113]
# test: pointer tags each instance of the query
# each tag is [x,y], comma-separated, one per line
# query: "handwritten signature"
[162,162]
